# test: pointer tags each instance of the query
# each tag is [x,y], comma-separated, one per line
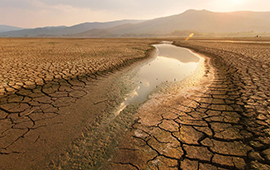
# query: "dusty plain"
[51,89]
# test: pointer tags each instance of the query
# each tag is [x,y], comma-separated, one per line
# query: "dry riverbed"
[55,108]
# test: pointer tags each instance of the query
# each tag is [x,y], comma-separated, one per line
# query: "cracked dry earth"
[221,125]
[51,88]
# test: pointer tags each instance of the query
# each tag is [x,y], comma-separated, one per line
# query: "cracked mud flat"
[51,89]
[220,121]
[218,124]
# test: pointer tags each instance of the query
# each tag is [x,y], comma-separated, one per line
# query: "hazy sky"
[39,13]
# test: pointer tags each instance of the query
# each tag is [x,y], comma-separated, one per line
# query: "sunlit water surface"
[171,64]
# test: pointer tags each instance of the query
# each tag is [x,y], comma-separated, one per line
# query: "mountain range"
[200,21]
[5,28]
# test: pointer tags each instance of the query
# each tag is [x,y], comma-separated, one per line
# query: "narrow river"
[170,64]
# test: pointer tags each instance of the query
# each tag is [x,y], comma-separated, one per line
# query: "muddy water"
[170,64]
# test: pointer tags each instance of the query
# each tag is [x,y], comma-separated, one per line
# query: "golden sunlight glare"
[191,35]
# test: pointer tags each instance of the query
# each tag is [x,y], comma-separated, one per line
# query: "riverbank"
[245,68]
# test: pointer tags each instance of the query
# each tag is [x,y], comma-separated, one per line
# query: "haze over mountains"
[5,28]
[200,21]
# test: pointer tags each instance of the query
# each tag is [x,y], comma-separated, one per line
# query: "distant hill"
[63,30]
[94,33]
[202,22]
[5,28]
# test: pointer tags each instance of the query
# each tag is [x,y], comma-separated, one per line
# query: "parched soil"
[221,124]
[50,89]
[32,62]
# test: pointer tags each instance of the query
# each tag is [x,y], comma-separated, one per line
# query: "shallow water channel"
[100,140]
[170,64]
